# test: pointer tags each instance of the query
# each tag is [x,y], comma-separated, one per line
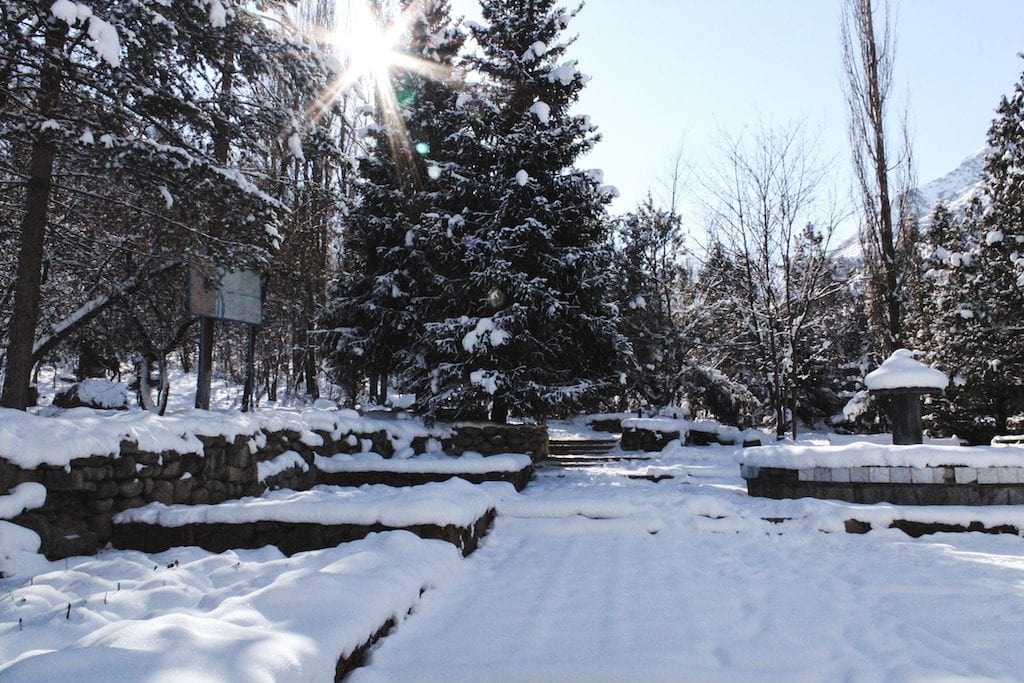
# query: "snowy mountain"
[956,189]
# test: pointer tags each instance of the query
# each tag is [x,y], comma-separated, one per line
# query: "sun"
[366,48]
[370,52]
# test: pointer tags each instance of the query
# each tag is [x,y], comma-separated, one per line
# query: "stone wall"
[897,485]
[83,497]
[634,439]
[492,439]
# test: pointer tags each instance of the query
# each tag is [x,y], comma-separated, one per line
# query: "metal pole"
[205,363]
[250,369]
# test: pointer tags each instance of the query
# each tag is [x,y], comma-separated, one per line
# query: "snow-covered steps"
[586,452]
[370,468]
[563,447]
[323,517]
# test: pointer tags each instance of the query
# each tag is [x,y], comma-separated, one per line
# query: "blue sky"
[671,71]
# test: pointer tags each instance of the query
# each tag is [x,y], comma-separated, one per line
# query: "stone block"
[102,505]
[879,475]
[130,489]
[859,475]
[183,490]
[145,458]
[899,475]
[749,472]
[921,475]
[988,475]
[841,475]
[172,468]
[124,467]
[239,458]
[79,482]
[805,475]
[965,475]
[163,492]
[822,474]
[106,489]
[1008,475]
[943,475]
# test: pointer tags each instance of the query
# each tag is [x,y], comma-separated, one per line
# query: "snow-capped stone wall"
[491,439]
[195,467]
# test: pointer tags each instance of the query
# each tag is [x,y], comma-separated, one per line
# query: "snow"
[993,237]
[218,14]
[488,379]
[102,393]
[280,463]
[295,146]
[103,37]
[28,440]
[522,177]
[565,73]
[900,371]
[590,576]
[543,112]
[450,502]
[537,49]
[865,454]
[25,496]
[468,463]
[167,196]
[586,575]
[667,425]
[485,330]
[189,615]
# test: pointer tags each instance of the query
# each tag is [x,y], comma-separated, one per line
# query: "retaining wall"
[83,496]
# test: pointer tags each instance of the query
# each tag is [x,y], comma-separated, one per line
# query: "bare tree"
[772,211]
[884,180]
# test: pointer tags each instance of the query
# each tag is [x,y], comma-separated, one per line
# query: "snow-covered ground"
[588,575]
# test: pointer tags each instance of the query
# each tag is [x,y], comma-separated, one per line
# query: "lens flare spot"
[422,148]
[496,298]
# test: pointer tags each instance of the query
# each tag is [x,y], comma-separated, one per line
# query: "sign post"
[215,293]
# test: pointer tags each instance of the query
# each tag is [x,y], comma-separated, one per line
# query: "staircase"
[585,452]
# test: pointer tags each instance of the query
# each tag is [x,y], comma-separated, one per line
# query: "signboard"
[215,292]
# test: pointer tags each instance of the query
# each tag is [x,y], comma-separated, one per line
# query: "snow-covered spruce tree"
[979,336]
[540,335]
[136,131]
[401,211]
[651,274]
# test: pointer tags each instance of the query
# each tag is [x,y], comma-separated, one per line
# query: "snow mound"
[451,502]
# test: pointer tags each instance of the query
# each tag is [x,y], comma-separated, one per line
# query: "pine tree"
[540,334]
[977,335]
[388,280]
[651,275]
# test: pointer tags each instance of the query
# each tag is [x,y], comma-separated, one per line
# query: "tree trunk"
[499,410]
[33,234]
[1000,411]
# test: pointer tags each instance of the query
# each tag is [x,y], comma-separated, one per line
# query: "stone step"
[588,460]
[581,446]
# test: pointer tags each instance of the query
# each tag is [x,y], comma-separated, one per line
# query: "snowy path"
[577,599]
